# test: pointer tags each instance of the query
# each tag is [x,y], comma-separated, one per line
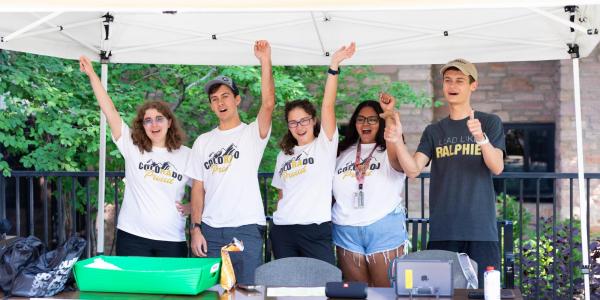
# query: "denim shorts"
[385,234]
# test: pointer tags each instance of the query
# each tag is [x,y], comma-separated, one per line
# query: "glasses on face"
[372,120]
[303,122]
[157,120]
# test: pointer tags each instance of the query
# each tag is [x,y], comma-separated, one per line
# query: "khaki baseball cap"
[463,65]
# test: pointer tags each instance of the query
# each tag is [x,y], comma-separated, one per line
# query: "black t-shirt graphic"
[461,191]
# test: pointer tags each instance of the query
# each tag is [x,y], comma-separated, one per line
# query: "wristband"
[334,72]
[485,140]
[194,225]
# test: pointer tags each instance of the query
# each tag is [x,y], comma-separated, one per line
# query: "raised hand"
[475,127]
[262,50]
[393,129]
[342,54]
[387,101]
[85,66]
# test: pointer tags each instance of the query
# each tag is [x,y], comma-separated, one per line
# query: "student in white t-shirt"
[150,222]
[226,200]
[303,174]
[368,215]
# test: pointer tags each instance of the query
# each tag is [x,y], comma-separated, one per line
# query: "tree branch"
[184,88]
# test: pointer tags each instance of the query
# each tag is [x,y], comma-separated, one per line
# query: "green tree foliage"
[49,117]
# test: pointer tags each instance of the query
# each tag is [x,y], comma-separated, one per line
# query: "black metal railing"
[55,205]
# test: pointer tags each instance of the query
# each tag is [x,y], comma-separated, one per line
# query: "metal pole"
[580,180]
[102,168]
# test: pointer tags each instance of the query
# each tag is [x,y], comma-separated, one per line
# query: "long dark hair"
[352,136]
[175,135]
[288,141]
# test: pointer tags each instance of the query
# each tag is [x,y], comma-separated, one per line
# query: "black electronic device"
[352,290]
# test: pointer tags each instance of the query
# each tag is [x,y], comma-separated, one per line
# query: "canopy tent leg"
[581,181]
[104,59]
[102,167]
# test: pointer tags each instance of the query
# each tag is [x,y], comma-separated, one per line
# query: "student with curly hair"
[150,221]
[304,172]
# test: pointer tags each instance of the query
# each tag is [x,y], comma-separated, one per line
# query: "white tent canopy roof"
[301,32]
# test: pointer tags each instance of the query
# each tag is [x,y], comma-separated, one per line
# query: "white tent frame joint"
[573,50]
[571,9]
[108,19]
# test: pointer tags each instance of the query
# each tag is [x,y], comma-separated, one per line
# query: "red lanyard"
[361,169]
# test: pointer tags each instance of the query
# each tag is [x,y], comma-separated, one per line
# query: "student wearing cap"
[465,149]
[226,200]
[303,174]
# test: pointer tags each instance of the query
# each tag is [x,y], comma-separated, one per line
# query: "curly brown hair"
[288,141]
[175,135]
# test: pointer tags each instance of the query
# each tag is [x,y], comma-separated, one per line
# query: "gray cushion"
[458,278]
[296,272]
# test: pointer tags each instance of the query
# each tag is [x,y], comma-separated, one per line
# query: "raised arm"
[262,51]
[398,154]
[328,107]
[106,104]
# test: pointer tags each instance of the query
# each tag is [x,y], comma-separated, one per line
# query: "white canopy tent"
[387,32]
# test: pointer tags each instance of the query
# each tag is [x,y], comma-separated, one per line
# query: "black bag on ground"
[47,274]
[15,256]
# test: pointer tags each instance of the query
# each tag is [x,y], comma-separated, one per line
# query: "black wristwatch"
[194,225]
[334,72]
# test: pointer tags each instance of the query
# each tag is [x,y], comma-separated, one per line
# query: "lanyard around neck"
[360,169]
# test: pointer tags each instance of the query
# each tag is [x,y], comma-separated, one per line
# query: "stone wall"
[517,92]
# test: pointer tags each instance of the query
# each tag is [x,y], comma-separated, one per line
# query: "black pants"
[303,241]
[485,253]
[133,245]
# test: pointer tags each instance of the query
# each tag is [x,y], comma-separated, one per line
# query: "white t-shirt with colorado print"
[227,162]
[305,179]
[154,181]
[382,188]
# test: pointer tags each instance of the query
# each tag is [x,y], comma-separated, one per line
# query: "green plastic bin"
[149,275]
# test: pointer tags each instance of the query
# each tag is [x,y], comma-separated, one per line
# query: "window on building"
[529,148]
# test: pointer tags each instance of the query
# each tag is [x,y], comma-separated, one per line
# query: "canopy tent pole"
[104,59]
[102,166]
[581,181]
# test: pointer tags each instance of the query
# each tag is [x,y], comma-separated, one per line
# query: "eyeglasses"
[303,122]
[157,120]
[372,120]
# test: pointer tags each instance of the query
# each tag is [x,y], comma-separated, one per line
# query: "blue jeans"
[385,234]
[245,262]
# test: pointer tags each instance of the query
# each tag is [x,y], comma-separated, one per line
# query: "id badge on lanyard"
[359,199]
[360,170]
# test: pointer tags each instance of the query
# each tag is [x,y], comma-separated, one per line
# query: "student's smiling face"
[456,87]
[367,125]
[224,103]
[156,126]
[301,124]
